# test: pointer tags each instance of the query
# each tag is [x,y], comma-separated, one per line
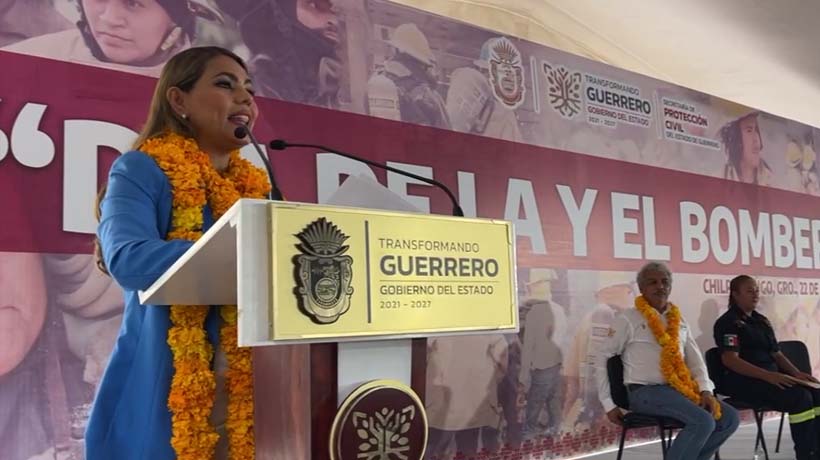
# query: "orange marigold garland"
[673,367]
[239,379]
[193,386]
[195,183]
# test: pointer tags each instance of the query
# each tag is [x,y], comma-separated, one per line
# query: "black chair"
[632,420]
[716,370]
[798,354]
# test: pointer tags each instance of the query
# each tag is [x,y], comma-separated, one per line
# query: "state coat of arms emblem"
[323,272]
[507,73]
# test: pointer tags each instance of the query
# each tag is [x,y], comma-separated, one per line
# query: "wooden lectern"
[334,297]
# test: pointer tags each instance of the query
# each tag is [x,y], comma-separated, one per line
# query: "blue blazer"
[130,419]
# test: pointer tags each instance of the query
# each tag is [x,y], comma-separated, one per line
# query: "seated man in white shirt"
[669,380]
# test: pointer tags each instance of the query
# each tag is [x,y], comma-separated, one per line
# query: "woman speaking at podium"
[176,385]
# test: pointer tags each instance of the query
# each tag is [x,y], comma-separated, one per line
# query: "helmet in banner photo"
[412,70]
[202,9]
[185,12]
[616,289]
[408,39]
[539,285]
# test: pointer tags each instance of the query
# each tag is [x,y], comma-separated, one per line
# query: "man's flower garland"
[673,367]
[194,184]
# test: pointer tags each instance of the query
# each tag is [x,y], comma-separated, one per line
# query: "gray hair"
[653,267]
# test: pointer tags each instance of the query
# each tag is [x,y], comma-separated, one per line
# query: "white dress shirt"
[640,352]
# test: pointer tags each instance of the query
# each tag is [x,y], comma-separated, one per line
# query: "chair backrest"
[714,366]
[617,389]
[797,353]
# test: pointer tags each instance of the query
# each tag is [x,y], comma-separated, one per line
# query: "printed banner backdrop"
[599,169]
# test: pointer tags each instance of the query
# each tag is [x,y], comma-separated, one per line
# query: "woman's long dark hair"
[98,255]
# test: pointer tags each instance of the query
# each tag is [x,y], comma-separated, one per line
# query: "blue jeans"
[702,435]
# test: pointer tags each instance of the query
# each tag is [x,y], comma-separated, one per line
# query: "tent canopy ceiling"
[760,53]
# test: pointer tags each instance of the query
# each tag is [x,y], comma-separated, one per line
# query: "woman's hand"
[805,376]
[779,380]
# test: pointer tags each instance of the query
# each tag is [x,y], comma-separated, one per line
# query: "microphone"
[241,132]
[280,144]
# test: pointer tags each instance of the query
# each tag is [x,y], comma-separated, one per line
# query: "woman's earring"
[184,116]
[171,39]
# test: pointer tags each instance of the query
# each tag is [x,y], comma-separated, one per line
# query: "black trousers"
[800,402]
